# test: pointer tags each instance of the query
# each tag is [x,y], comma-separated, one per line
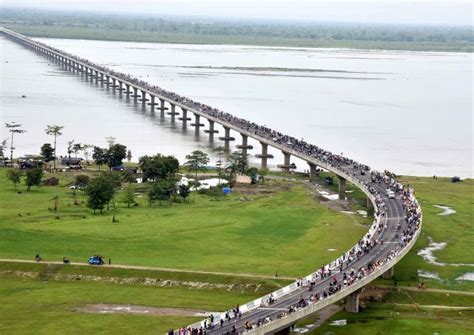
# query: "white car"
[390,194]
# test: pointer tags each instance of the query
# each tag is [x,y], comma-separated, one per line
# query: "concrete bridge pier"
[114,84]
[135,94]
[107,81]
[211,131]
[184,117]
[342,188]
[312,171]
[285,331]
[388,274]
[173,112]
[226,138]
[197,124]
[127,90]
[264,155]
[244,146]
[102,79]
[144,99]
[286,161]
[120,88]
[162,107]
[352,302]
[152,103]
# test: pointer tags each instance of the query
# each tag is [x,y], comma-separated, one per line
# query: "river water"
[410,112]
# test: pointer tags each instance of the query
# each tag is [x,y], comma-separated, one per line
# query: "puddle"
[205,183]
[362,213]
[446,210]
[429,275]
[467,276]
[339,323]
[146,310]
[300,330]
[428,254]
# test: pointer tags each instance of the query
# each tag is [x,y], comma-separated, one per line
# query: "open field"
[250,233]
[92,33]
[456,229]
[49,307]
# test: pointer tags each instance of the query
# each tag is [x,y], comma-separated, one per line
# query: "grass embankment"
[284,231]
[189,38]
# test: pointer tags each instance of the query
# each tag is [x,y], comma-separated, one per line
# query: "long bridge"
[396,226]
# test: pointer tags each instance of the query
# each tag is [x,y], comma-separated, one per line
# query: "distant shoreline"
[121,35]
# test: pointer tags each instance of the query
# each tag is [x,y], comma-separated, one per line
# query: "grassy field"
[48,307]
[457,230]
[189,38]
[250,233]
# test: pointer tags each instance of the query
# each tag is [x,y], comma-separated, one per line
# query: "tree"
[13,128]
[76,148]
[237,162]
[116,154]
[162,190]
[3,145]
[158,167]
[100,192]
[110,140]
[86,148]
[47,152]
[196,161]
[70,144]
[14,176]
[55,131]
[33,177]
[128,195]
[184,191]
[99,156]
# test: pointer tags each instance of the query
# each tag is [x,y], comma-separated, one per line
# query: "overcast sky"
[387,11]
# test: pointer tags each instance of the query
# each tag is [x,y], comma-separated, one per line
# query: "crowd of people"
[345,166]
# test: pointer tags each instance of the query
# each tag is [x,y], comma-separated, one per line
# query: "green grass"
[46,307]
[267,234]
[388,318]
[189,38]
[456,229]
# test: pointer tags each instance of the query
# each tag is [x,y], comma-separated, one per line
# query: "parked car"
[96,260]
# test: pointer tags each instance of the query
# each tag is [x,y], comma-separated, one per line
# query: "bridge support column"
[162,107]
[197,123]
[107,81]
[352,302]
[102,79]
[388,274]
[286,161]
[185,118]
[264,155]
[312,171]
[152,103]
[226,138]
[244,146]
[342,188]
[127,90]
[173,112]
[211,131]
[284,331]
[114,84]
[135,94]
[144,99]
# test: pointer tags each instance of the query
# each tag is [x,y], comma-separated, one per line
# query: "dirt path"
[456,308]
[151,268]
[434,290]
[146,310]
